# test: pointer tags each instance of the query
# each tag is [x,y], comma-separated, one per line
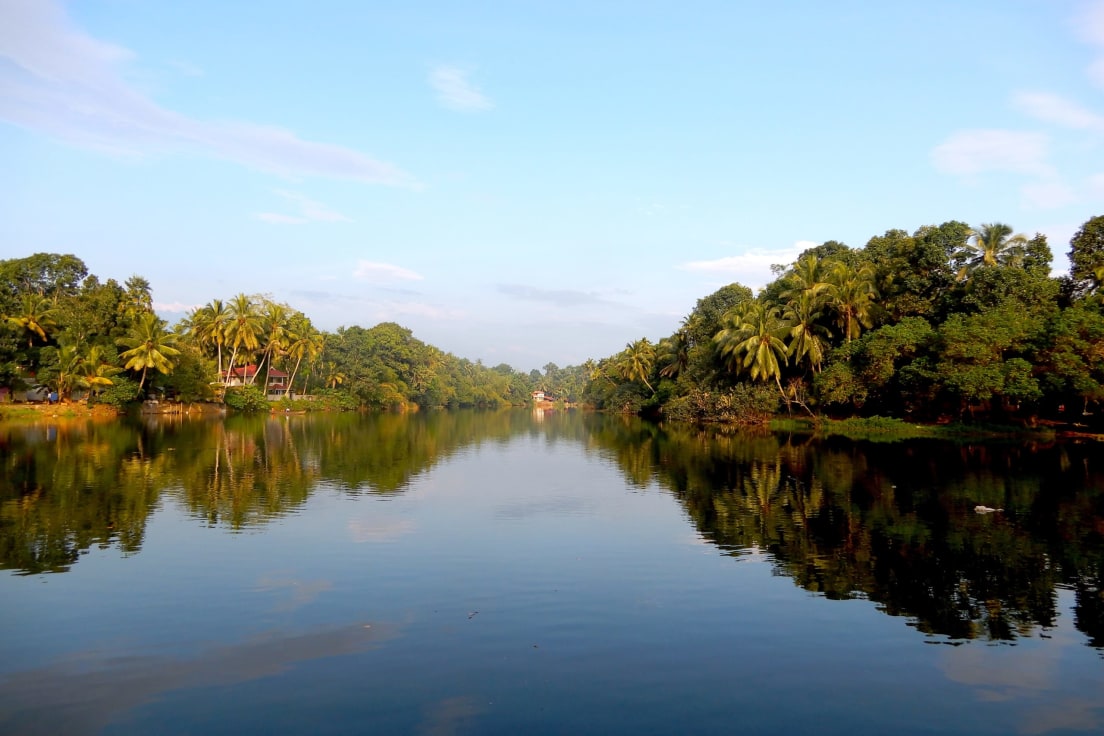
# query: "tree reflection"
[895,523]
[892,523]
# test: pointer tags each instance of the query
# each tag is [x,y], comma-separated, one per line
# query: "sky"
[533,181]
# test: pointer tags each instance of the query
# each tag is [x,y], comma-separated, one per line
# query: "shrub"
[246,399]
[745,403]
[121,392]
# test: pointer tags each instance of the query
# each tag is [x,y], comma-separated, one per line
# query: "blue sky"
[526,182]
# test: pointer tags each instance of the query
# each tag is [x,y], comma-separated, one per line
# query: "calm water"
[508,573]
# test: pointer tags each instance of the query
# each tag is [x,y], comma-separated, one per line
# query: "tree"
[35,316]
[752,341]
[243,329]
[95,370]
[148,345]
[1086,254]
[851,295]
[990,245]
[636,362]
[208,327]
[808,340]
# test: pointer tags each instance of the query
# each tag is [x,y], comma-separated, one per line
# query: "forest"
[949,322]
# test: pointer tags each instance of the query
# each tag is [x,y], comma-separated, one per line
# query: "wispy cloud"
[455,91]
[309,211]
[1090,27]
[1057,110]
[174,307]
[62,82]
[972,152]
[277,219]
[372,271]
[751,268]
[559,297]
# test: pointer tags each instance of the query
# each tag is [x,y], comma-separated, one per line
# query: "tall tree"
[243,329]
[636,362]
[990,245]
[35,316]
[753,340]
[851,296]
[1086,254]
[148,345]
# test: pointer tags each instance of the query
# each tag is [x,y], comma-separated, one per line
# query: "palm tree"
[990,245]
[334,377]
[208,326]
[752,340]
[277,324]
[851,296]
[243,329]
[307,343]
[806,341]
[808,275]
[95,371]
[35,315]
[636,362]
[673,353]
[148,345]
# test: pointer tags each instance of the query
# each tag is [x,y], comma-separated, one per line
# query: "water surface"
[450,573]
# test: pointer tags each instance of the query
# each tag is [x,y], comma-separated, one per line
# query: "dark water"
[505,573]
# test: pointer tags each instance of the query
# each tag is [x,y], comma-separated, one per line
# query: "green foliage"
[744,404]
[1086,255]
[246,399]
[121,392]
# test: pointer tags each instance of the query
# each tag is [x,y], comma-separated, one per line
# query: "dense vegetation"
[65,330]
[948,322]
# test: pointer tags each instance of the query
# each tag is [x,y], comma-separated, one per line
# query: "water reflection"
[892,523]
[73,698]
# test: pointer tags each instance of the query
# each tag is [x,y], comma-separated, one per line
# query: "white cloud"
[371,271]
[309,211]
[971,152]
[1047,194]
[1054,109]
[752,268]
[63,83]
[277,219]
[1090,27]
[455,91]
[174,307]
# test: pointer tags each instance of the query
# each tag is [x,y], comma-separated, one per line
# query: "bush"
[121,392]
[333,399]
[745,403]
[246,399]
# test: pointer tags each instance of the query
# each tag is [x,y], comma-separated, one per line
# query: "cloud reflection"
[85,693]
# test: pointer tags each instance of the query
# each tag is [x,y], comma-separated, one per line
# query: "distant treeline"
[64,330]
[948,322]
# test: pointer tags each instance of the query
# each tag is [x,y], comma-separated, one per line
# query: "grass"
[890,429]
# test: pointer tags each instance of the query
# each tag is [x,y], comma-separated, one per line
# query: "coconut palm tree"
[990,245]
[148,345]
[636,361]
[95,370]
[752,340]
[808,274]
[307,343]
[808,339]
[207,325]
[277,332]
[35,315]
[851,296]
[673,353]
[243,328]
